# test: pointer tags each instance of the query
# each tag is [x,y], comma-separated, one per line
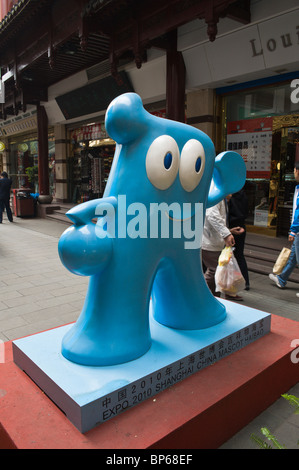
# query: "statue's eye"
[168,160]
[162,162]
[192,164]
[198,165]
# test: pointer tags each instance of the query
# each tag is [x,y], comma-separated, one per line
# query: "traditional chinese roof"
[45,41]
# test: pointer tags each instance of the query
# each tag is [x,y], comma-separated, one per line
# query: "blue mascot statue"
[141,241]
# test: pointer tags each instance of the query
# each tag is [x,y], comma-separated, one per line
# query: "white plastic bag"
[228,276]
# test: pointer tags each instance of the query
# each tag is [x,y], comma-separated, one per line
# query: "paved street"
[38,293]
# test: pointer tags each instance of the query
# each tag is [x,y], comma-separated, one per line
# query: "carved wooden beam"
[212,19]
[51,52]
[158,18]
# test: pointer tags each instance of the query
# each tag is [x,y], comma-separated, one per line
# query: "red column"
[43,164]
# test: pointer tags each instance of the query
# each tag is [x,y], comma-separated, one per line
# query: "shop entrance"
[287,150]
[23,171]
[271,199]
[262,125]
[88,169]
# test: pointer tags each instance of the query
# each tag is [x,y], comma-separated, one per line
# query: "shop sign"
[260,217]
[19,126]
[272,44]
[93,132]
[268,45]
[252,139]
[160,113]
[277,41]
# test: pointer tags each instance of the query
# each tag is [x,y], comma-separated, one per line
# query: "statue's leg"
[114,324]
[181,297]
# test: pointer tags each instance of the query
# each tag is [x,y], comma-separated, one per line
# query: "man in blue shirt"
[281,279]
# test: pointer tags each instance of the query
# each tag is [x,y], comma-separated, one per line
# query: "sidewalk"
[38,293]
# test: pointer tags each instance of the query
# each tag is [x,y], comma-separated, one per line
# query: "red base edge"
[201,412]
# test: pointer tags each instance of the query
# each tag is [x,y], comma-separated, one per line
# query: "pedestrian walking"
[237,214]
[5,186]
[216,235]
[281,279]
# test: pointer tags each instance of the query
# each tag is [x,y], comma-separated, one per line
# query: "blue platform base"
[92,395]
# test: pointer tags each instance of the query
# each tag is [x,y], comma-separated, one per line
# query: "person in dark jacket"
[237,213]
[5,186]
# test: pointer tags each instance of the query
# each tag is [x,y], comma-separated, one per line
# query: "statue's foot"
[92,350]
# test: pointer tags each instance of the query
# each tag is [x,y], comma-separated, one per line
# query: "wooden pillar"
[200,111]
[43,151]
[175,81]
[61,189]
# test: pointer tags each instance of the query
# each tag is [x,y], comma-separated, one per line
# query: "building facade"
[242,89]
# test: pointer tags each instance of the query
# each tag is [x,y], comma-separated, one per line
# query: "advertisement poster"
[252,139]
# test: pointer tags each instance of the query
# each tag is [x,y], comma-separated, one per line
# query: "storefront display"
[89,163]
[252,139]
[24,161]
[262,125]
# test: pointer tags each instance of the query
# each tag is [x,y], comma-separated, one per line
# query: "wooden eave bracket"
[238,11]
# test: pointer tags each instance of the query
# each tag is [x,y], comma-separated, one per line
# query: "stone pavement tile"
[12,323]
[41,227]
[18,311]
[61,300]
[242,439]
[6,276]
[75,281]
[287,435]
[78,304]
[3,338]
[12,295]
[33,290]
[69,317]
[44,313]
[62,280]
[30,329]
[55,273]
[279,418]
[81,288]
[25,299]
[14,287]
[3,306]
[285,409]
[287,308]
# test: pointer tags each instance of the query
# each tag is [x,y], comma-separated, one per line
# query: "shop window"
[262,125]
[24,163]
[88,168]
[266,101]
